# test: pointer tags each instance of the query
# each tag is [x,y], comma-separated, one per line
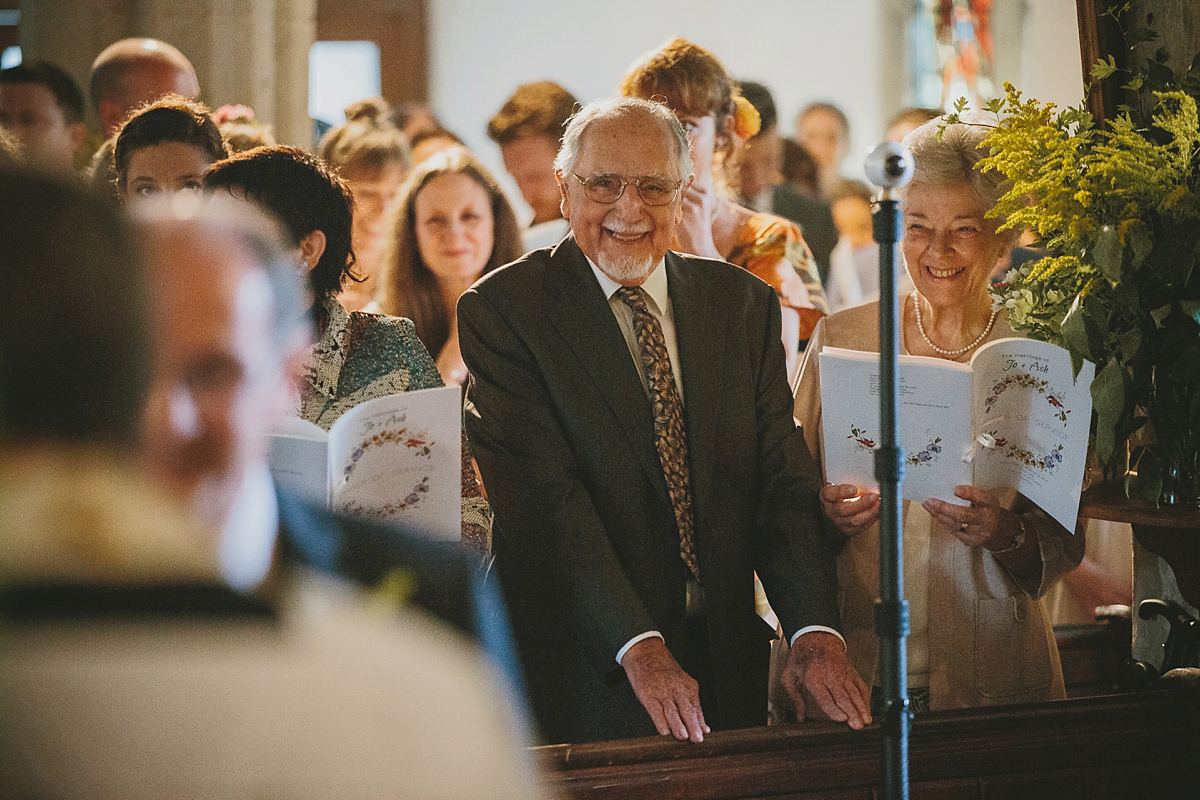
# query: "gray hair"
[618,108]
[263,239]
[951,159]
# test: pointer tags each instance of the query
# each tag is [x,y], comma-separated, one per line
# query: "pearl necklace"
[921,327]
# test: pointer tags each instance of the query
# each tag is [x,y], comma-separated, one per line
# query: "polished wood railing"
[1144,745]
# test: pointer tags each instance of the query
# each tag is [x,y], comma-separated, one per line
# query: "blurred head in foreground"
[75,360]
[228,317]
[72,341]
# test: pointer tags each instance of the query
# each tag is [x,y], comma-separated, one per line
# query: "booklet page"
[1032,418]
[297,453]
[934,425]
[397,459]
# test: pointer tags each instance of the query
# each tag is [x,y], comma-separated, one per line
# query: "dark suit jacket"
[586,542]
[446,581]
[815,220]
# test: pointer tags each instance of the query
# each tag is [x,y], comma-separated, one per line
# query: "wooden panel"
[1049,743]
[1100,37]
[853,794]
[1093,656]
[1156,779]
[1058,785]
[9,34]
[963,789]
[398,27]
[1108,501]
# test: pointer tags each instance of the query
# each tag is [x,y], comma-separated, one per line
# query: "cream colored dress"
[979,633]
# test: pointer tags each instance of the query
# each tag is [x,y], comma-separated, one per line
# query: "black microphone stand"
[889,166]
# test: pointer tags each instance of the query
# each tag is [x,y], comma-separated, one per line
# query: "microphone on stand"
[890,166]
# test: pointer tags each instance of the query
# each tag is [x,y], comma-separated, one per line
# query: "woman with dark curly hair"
[358,356]
[165,146]
[453,225]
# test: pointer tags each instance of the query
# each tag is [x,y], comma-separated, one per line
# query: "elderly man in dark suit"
[631,416]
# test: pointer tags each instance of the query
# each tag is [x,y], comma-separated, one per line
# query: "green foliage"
[1118,212]
[1104,69]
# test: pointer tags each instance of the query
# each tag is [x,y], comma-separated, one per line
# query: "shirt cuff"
[809,629]
[648,634]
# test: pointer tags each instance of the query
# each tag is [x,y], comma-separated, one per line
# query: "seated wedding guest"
[528,129]
[132,72]
[854,278]
[413,118]
[908,120]
[431,141]
[219,381]
[358,356]
[111,599]
[631,520]
[824,131]
[703,95]
[800,169]
[761,185]
[41,105]
[241,130]
[127,74]
[165,147]
[372,156]
[974,574]
[453,225]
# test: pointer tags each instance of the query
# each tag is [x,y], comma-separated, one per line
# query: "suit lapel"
[702,362]
[579,311]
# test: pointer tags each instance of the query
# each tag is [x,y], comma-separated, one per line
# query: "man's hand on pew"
[817,662]
[670,696]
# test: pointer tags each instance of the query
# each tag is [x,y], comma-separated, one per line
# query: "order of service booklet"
[1013,416]
[395,459]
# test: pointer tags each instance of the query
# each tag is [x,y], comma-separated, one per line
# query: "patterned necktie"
[669,434]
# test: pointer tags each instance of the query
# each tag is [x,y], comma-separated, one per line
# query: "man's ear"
[111,115]
[77,131]
[679,203]
[312,247]
[564,205]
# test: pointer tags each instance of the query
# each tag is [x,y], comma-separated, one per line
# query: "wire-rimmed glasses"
[608,189]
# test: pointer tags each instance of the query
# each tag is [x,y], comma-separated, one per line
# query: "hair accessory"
[746,121]
[921,327]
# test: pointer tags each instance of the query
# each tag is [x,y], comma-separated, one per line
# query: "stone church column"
[245,51]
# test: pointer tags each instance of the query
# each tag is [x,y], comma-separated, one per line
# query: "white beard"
[631,271]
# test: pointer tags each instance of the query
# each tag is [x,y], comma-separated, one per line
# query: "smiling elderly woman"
[973,573]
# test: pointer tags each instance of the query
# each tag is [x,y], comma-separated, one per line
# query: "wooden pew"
[1118,746]
[1093,656]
